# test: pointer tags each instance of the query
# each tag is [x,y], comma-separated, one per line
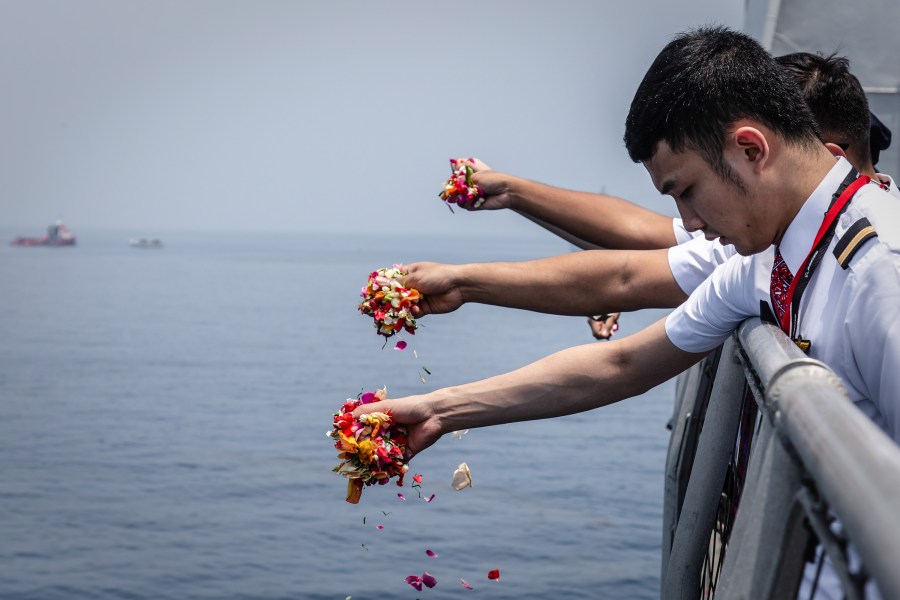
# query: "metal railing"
[769,463]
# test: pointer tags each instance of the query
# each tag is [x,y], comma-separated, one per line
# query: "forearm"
[579,283]
[571,381]
[599,219]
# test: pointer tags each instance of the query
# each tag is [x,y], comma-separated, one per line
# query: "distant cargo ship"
[57,235]
[145,243]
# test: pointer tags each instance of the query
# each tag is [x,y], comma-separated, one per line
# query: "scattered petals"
[465,584]
[462,477]
[415,581]
[401,345]
[417,478]
[431,553]
[430,498]
[379,527]
[401,496]
[495,574]
[428,579]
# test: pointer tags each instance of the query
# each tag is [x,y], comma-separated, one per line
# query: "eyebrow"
[667,186]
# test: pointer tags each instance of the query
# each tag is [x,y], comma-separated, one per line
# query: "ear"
[835,149]
[752,145]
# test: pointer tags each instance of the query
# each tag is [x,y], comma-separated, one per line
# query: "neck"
[804,170]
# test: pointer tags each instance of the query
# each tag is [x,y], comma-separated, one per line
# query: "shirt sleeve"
[693,261]
[873,325]
[715,309]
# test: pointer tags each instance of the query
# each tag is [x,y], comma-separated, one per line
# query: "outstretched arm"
[571,381]
[585,219]
[578,283]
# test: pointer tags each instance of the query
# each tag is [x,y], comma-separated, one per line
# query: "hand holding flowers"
[371,444]
[388,302]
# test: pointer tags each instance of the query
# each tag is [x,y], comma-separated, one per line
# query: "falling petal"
[401,345]
[379,527]
[426,370]
[465,584]
[385,513]
[364,520]
[430,498]
[416,354]
[364,546]
[422,379]
[495,574]
[417,478]
[462,477]
[458,434]
[431,553]
[428,579]
[415,581]
[401,496]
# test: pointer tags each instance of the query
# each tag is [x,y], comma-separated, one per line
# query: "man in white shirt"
[601,281]
[751,172]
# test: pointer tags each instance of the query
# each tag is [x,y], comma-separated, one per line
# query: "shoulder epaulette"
[852,240]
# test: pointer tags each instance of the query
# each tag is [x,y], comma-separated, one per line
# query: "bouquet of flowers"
[459,189]
[370,447]
[388,302]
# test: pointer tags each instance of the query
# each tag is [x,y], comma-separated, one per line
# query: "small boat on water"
[57,235]
[145,243]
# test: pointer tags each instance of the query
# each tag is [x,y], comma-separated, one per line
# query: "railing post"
[701,500]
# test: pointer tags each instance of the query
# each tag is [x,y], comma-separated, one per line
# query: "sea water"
[163,416]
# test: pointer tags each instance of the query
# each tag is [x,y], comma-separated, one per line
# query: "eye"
[686,193]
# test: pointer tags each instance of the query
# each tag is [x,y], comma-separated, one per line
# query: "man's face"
[706,201]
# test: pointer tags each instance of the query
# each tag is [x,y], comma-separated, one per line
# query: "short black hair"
[703,81]
[836,98]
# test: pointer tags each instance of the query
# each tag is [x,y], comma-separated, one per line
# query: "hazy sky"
[329,116]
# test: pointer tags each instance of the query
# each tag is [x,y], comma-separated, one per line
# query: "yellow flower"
[348,444]
[367,451]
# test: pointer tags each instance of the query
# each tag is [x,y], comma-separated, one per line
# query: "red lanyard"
[825,230]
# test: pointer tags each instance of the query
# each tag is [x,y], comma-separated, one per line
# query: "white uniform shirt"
[852,316]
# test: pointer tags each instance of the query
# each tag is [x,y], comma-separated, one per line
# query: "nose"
[691,220]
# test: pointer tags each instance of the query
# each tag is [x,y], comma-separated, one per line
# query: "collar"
[801,233]
[889,181]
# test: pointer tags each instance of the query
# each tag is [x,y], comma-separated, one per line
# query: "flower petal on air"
[401,345]
[417,478]
[431,553]
[495,574]
[428,579]
[465,584]
[430,498]
[401,496]
[415,581]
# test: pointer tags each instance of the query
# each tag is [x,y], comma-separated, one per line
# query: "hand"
[494,186]
[604,326]
[422,426]
[438,285]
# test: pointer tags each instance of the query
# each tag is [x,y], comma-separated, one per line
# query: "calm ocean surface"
[163,417]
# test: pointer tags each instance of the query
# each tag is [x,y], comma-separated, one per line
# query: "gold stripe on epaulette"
[859,238]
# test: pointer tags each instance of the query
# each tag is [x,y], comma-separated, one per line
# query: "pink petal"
[428,579]
[417,478]
[401,345]
[415,581]
[431,553]
[465,584]
[367,397]
[401,496]
[380,527]
[430,498]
